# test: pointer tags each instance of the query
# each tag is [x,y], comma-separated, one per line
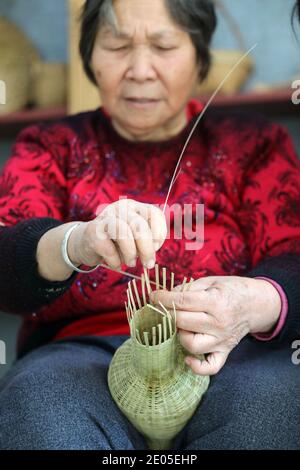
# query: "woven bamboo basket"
[17,54]
[49,84]
[147,377]
[16,77]
[224,60]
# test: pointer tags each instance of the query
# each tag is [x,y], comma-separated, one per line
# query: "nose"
[141,67]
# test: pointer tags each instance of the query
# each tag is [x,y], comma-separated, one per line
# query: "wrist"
[266,307]
[50,264]
[74,243]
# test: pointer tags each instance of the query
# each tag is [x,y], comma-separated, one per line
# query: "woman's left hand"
[217,312]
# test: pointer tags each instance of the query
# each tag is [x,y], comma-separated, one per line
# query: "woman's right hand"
[124,231]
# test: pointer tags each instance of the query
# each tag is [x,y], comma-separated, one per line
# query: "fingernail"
[132,263]
[150,264]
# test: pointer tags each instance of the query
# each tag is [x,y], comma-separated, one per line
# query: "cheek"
[181,76]
[107,81]
[181,82]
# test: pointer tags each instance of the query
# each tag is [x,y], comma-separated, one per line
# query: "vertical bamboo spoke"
[172,280]
[183,284]
[137,295]
[164,270]
[147,280]
[154,336]
[157,280]
[159,334]
[131,297]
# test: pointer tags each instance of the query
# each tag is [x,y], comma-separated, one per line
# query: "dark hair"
[295,15]
[196,17]
[297,9]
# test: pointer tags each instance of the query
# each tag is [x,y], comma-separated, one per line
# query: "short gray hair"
[196,17]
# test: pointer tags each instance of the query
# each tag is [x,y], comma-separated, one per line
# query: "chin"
[145,129]
[142,123]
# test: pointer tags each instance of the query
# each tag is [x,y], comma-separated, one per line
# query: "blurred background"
[44,80]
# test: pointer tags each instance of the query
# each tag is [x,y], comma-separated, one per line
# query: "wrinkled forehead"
[129,33]
[131,20]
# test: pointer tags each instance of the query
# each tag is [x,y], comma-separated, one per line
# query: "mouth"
[142,102]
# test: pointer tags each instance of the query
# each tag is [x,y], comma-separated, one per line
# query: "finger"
[143,239]
[118,231]
[156,221]
[191,301]
[126,243]
[197,343]
[107,251]
[158,226]
[198,322]
[211,365]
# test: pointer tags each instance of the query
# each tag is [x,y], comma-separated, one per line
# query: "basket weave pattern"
[148,378]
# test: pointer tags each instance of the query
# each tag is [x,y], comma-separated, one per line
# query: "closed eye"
[121,48]
[162,48]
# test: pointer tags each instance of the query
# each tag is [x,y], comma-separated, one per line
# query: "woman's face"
[146,71]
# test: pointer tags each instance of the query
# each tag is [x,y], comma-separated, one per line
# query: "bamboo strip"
[157,280]
[165,331]
[131,297]
[172,280]
[164,278]
[159,334]
[183,284]
[147,281]
[164,308]
[143,290]
[156,309]
[154,336]
[137,294]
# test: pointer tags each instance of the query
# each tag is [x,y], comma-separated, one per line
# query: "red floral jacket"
[242,168]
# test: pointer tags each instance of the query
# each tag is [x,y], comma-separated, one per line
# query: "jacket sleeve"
[33,200]
[270,218]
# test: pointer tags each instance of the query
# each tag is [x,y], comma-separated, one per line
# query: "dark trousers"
[57,397]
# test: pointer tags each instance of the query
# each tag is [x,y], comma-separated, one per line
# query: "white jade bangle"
[64,251]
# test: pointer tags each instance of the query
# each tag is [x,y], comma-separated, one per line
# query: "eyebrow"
[125,35]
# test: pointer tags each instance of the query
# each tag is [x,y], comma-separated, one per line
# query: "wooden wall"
[83,95]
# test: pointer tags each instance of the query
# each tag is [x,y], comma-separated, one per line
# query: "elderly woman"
[146,59]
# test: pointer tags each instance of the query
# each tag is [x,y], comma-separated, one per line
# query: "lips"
[145,104]
[142,100]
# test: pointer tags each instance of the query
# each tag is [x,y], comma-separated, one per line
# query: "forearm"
[285,270]
[51,265]
[22,289]
[266,307]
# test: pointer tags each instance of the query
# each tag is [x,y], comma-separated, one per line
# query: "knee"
[58,405]
[265,415]
[29,418]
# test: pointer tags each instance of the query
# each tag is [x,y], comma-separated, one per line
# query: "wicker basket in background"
[27,78]
[17,54]
[224,60]
[49,84]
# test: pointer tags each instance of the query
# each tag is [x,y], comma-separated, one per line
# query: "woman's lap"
[253,403]
[57,397]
